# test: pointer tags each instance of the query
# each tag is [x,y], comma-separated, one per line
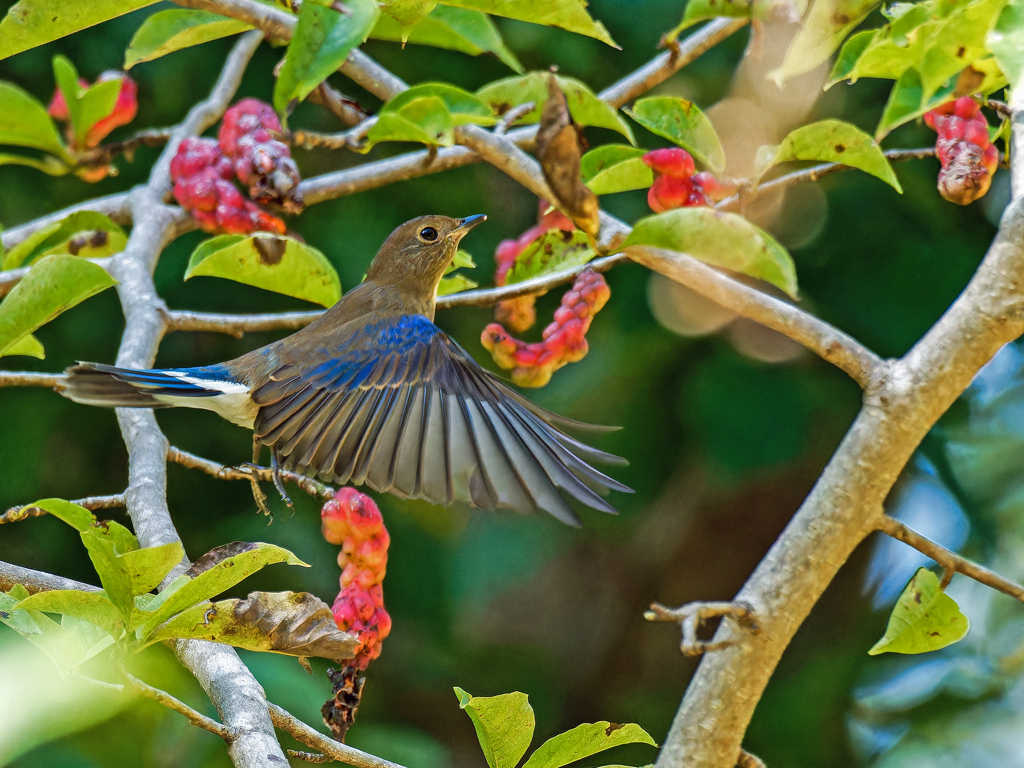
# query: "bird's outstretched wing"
[402,408]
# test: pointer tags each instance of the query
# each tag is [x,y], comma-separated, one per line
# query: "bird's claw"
[691,618]
[275,473]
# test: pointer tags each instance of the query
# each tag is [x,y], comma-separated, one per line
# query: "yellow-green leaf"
[925,619]
[428,113]
[1006,41]
[826,26]
[615,168]
[24,122]
[570,15]
[28,346]
[553,251]
[722,239]
[504,725]
[681,122]
[272,262]
[175,29]
[53,285]
[831,141]
[586,740]
[84,233]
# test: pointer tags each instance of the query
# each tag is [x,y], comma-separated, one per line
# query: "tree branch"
[328,746]
[113,206]
[309,485]
[950,561]
[37,581]
[29,379]
[197,719]
[16,514]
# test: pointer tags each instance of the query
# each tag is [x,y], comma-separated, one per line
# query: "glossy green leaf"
[586,740]
[682,123]
[504,725]
[826,26]
[34,22]
[53,285]
[169,31]
[84,233]
[86,106]
[47,164]
[428,113]
[28,346]
[907,101]
[292,623]
[93,607]
[831,141]
[552,252]
[1006,41]
[457,29]
[136,572]
[615,168]
[722,239]
[24,123]
[66,650]
[570,15]
[584,106]
[268,261]
[323,39]
[925,619]
[231,565]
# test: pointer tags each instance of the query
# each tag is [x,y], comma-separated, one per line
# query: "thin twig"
[14,514]
[340,105]
[197,719]
[950,561]
[309,757]
[238,325]
[265,474]
[37,581]
[30,379]
[326,745]
[105,153]
[813,174]
[354,138]
[691,618]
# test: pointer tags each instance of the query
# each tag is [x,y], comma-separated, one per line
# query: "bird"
[373,393]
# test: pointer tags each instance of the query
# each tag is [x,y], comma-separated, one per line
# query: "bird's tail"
[211,388]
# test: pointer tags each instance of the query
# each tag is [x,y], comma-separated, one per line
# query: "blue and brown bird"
[372,392]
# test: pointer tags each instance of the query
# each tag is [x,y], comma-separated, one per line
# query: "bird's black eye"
[429,234]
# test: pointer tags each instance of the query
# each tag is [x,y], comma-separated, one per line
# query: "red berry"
[965,107]
[672,162]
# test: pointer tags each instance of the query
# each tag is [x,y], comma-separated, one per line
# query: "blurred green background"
[726,432]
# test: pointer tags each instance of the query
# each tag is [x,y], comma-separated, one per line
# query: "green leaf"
[24,122]
[232,564]
[173,30]
[584,106]
[79,518]
[53,285]
[586,740]
[34,22]
[1006,41]
[29,346]
[428,113]
[615,168]
[831,141]
[702,10]
[682,123]
[323,39]
[85,233]
[271,262]
[454,284]
[292,623]
[92,607]
[66,650]
[722,239]
[457,29]
[504,725]
[570,15]
[136,572]
[959,43]
[47,164]
[553,251]
[824,29]
[925,619]
[86,106]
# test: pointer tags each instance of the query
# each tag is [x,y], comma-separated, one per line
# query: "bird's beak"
[468,223]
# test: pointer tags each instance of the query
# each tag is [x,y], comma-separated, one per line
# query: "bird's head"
[416,255]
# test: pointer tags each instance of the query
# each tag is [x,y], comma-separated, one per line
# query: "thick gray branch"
[37,581]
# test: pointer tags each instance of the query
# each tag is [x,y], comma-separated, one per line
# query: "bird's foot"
[275,473]
[691,618]
[253,471]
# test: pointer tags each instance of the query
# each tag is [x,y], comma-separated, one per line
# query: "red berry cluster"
[125,107]
[564,340]
[201,173]
[261,162]
[353,520]
[676,185]
[519,314]
[967,155]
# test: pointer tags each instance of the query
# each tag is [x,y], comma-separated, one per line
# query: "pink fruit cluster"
[125,107]
[261,162]
[676,185]
[353,520]
[201,173]
[564,340]
[967,154]
[519,314]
